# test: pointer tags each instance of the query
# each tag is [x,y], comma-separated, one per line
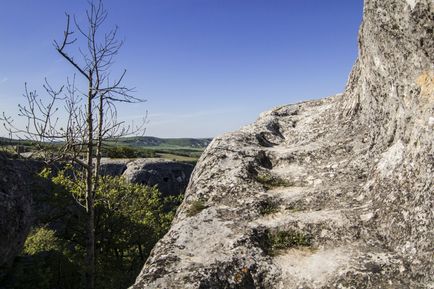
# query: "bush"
[40,240]
[129,220]
[43,264]
[127,152]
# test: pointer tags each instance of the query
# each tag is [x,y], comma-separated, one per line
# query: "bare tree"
[91,114]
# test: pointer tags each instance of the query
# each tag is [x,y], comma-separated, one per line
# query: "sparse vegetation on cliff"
[268,207]
[276,242]
[196,207]
[269,181]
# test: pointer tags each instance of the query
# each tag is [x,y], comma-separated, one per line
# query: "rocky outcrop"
[170,177]
[15,207]
[333,193]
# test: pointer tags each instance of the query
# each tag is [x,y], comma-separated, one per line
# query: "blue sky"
[205,66]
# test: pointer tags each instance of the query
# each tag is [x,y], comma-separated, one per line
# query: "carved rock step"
[323,227]
[339,267]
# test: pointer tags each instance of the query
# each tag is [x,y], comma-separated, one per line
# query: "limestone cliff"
[334,193]
[15,207]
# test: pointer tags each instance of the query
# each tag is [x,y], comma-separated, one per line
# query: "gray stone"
[170,177]
[353,172]
[113,167]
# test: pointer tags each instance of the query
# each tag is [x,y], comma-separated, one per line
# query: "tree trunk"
[142,257]
[90,210]
[99,141]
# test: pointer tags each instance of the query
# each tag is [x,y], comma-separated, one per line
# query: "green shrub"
[44,263]
[117,152]
[40,240]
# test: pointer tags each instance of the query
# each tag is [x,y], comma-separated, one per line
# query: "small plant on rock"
[269,181]
[281,240]
[268,207]
[294,207]
[196,207]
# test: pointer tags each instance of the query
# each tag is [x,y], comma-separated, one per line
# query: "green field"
[179,149]
[172,143]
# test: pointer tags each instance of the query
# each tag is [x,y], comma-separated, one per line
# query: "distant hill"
[149,141]
[142,141]
[178,149]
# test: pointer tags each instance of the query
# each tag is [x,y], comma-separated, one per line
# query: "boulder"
[113,167]
[170,177]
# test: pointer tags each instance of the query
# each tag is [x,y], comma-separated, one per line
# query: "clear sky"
[205,66]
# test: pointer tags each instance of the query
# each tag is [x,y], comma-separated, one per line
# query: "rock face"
[334,193]
[15,207]
[170,177]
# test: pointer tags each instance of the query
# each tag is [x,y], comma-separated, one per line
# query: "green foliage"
[45,270]
[40,240]
[117,152]
[195,208]
[129,220]
[274,242]
[43,264]
[269,181]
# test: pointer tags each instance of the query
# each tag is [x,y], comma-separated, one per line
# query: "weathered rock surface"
[170,177]
[352,173]
[15,207]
